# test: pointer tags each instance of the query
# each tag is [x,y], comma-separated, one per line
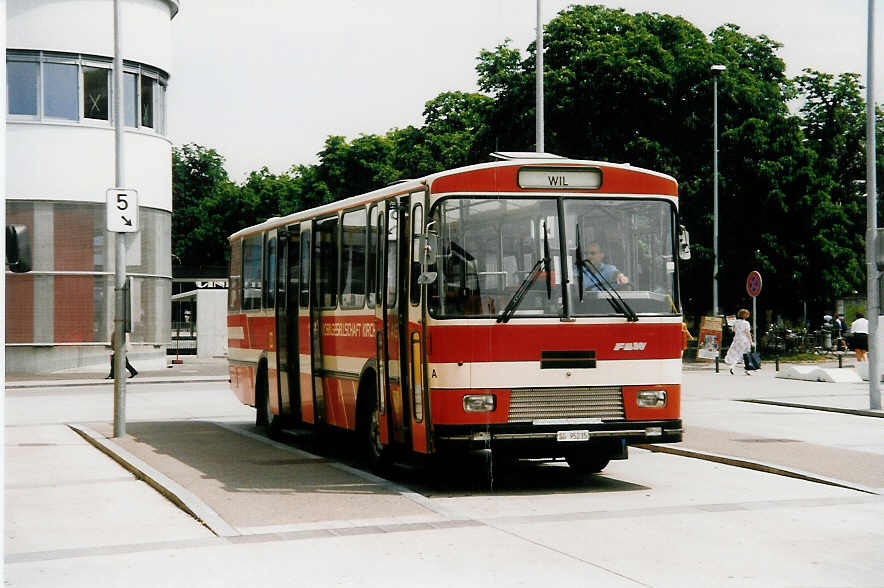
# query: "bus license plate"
[581,435]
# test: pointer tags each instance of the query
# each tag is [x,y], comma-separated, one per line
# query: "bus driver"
[613,276]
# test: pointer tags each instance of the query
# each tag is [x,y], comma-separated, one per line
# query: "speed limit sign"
[753,284]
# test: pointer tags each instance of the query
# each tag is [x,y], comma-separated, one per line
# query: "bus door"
[306,320]
[393,308]
[287,356]
[415,343]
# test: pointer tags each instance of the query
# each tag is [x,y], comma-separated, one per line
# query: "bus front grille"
[599,402]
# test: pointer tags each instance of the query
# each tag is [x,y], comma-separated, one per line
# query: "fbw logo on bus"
[633,346]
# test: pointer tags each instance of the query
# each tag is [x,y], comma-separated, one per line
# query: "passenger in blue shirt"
[609,272]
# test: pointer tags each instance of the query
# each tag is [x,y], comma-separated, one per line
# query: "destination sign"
[560,178]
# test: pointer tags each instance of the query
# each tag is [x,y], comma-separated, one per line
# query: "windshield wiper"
[579,255]
[613,297]
[514,302]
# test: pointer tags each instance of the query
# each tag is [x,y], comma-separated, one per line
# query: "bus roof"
[487,177]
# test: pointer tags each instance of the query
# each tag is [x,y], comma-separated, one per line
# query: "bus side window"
[371,256]
[251,272]
[305,269]
[417,223]
[326,250]
[234,290]
[270,271]
[353,259]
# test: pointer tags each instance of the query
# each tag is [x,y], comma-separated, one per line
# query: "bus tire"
[264,417]
[588,462]
[373,452]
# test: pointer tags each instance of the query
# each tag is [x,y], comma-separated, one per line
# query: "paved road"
[74,517]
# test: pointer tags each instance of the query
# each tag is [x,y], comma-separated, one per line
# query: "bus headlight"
[651,398]
[479,403]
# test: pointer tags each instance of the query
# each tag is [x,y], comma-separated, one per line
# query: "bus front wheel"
[588,463]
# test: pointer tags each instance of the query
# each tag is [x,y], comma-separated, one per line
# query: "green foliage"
[619,87]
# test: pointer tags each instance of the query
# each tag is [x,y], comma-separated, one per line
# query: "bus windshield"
[489,247]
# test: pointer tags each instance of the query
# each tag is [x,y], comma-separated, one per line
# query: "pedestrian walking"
[742,342]
[860,336]
[686,336]
[132,371]
[839,327]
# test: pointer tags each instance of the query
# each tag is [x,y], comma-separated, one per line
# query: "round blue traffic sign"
[753,284]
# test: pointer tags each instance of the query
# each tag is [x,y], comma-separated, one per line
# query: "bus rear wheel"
[588,463]
[374,452]
[264,417]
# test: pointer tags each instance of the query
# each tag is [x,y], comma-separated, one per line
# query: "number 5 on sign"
[122,210]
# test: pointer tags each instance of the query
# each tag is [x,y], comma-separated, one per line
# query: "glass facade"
[96,93]
[69,295]
[60,91]
[70,87]
[22,77]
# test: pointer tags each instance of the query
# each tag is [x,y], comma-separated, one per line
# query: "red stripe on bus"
[505,179]
[511,342]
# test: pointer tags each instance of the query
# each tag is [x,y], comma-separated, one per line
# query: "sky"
[266,82]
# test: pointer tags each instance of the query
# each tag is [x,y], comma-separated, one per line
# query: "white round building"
[60,163]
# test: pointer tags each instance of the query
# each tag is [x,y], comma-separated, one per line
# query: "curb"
[758,466]
[853,411]
[72,383]
[174,492]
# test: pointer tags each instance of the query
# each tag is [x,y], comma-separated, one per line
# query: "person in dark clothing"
[132,371]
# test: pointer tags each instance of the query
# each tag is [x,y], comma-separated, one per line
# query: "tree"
[198,174]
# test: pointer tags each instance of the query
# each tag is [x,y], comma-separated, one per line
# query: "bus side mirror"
[430,245]
[684,244]
[18,249]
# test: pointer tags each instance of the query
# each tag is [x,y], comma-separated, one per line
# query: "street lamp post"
[538,128]
[872,275]
[716,72]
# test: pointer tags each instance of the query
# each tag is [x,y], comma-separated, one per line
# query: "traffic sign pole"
[119,339]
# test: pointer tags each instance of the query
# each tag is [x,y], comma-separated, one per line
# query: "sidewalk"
[191,369]
[65,499]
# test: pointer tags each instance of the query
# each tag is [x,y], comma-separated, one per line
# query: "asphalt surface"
[55,477]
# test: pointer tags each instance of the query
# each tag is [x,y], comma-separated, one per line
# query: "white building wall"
[75,162]
[211,323]
[87,26]
[51,161]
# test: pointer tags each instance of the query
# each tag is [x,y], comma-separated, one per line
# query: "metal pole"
[754,322]
[538,141]
[119,346]
[873,310]
[714,191]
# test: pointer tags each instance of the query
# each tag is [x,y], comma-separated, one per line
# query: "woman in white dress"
[742,342]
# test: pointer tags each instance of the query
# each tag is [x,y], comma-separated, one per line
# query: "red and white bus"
[456,312]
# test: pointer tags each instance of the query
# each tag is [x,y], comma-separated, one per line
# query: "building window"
[147,85]
[60,91]
[22,83]
[160,108]
[130,90]
[95,92]
[78,88]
